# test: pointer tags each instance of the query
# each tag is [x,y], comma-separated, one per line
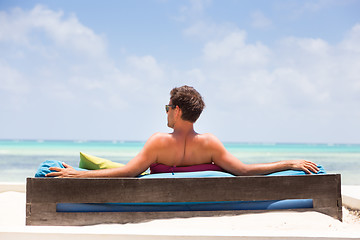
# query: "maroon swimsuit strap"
[162,168]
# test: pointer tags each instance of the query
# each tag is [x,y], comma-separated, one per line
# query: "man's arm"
[227,161]
[135,167]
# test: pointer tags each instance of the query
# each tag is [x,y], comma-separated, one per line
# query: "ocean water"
[19,159]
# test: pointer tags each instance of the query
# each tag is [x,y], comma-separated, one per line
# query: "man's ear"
[178,111]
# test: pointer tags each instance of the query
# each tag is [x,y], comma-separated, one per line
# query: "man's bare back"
[177,150]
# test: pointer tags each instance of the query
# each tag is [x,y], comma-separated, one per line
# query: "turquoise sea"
[19,159]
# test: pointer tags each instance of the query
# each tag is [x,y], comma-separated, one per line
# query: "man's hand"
[304,165]
[67,172]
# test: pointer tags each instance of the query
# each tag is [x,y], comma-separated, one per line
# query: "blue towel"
[43,169]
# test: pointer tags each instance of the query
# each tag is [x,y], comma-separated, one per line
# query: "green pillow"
[90,162]
[93,163]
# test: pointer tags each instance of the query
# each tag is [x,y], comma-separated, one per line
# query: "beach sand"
[271,225]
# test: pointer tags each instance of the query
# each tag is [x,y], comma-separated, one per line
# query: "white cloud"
[11,80]
[299,73]
[308,45]
[13,88]
[297,89]
[317,5]
[23,27]
[195,75]
[234,50]
[192,11]
[59,80]
[352,40]
[298,9]
[60,60]
[259,20]
[147,64]
[203,30]
[305,85]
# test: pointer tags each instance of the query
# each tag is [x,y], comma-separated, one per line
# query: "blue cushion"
[44,167]
[189,174]
[222,174]
[295,172]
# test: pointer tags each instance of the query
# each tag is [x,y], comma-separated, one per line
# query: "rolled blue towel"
[43,169]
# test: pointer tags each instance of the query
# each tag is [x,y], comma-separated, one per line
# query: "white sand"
[270,225]
[351,196]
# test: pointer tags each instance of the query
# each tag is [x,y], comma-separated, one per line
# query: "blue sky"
[270,71]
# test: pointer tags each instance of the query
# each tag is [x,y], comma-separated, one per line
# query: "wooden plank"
[44,193]
[331,211]
[164,190]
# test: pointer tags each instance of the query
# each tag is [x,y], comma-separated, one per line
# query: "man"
[185,147]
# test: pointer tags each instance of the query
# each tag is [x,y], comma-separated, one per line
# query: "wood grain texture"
[44,193]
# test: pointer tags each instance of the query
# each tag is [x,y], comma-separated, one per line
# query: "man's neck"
[184,128]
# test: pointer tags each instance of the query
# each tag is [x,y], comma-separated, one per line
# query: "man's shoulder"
[209,139]
[160,138]
[160,135]
[208,135]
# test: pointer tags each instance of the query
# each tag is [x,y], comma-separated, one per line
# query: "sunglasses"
[167,107]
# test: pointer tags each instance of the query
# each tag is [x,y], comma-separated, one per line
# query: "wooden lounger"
[43,195]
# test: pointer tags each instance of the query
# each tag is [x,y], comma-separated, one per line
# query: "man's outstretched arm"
[230,163]
[133,168]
